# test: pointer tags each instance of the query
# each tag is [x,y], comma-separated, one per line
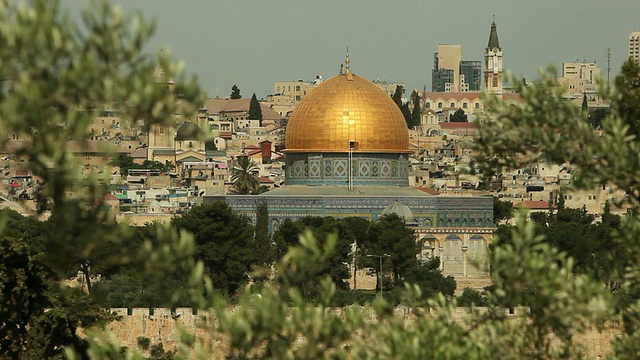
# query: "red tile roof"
[428,190]
[458,96]
[109,196]
[265,180]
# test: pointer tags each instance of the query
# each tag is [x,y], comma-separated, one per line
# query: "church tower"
[493,63]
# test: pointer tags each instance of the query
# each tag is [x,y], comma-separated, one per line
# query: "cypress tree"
[255,111]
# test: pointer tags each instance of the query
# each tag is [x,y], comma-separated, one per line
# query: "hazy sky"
[253,43]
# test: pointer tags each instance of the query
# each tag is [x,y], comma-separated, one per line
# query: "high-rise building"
[442,80]
[470,75]
[634,45]
[446,66]
[493,63]
[452,74]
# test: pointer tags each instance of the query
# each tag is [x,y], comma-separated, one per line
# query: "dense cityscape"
[489,207]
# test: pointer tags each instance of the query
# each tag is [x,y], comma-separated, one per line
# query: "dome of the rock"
[347,110]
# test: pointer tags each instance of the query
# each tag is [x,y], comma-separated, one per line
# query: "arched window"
[298,88]
[439,105]
[427,105]
[477,105]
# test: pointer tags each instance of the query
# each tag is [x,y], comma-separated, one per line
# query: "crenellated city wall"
[164,325]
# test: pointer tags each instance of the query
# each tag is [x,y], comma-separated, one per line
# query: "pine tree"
[235,92]
[255,111]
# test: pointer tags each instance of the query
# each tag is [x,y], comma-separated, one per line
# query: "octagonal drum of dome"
[347,111]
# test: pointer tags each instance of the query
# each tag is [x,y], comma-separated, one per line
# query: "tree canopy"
[255,111]
[235,92]
[458,116]
[224,243]
[244,176]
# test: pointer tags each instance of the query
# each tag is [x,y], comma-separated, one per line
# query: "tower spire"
[493,36]
[347,70]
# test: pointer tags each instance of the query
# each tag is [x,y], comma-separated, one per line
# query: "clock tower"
[493,63]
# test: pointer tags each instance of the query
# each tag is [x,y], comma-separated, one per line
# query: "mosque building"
[347,155]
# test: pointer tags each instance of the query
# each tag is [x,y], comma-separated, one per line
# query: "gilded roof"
[347,108]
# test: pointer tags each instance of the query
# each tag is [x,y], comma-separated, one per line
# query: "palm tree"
[243,176]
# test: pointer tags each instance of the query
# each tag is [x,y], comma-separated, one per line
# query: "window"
[298,88]
[427,105]
[477,105]
[439,105]
[464,105]
[495,81]
[453,104]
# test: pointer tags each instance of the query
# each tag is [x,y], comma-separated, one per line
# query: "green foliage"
[415,113]
[404,108]
[458,116]
[244,176]
[335,264]
[472,297]
[78,67]
[624,103]
[223,241]
[428,276]
[143,342]
[502,210]
[264,249]
[397,95]
[255,111]
[390,236]
[235,92]
[125,162]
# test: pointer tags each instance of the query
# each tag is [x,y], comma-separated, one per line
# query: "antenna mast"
[608,56]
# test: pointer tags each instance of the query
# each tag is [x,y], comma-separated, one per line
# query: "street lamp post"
[380,273]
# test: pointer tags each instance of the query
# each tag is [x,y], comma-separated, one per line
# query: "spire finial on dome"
[347,61]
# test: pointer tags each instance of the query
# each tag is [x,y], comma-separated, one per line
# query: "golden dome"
[345,109]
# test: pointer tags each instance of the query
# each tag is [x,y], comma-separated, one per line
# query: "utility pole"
[380,273]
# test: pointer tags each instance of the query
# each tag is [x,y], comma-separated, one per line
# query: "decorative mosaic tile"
[314,168]
[364,168]
[385,169]
[340,169]
[328,168]
[375,168]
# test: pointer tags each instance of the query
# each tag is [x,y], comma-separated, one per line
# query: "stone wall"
[162,325]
